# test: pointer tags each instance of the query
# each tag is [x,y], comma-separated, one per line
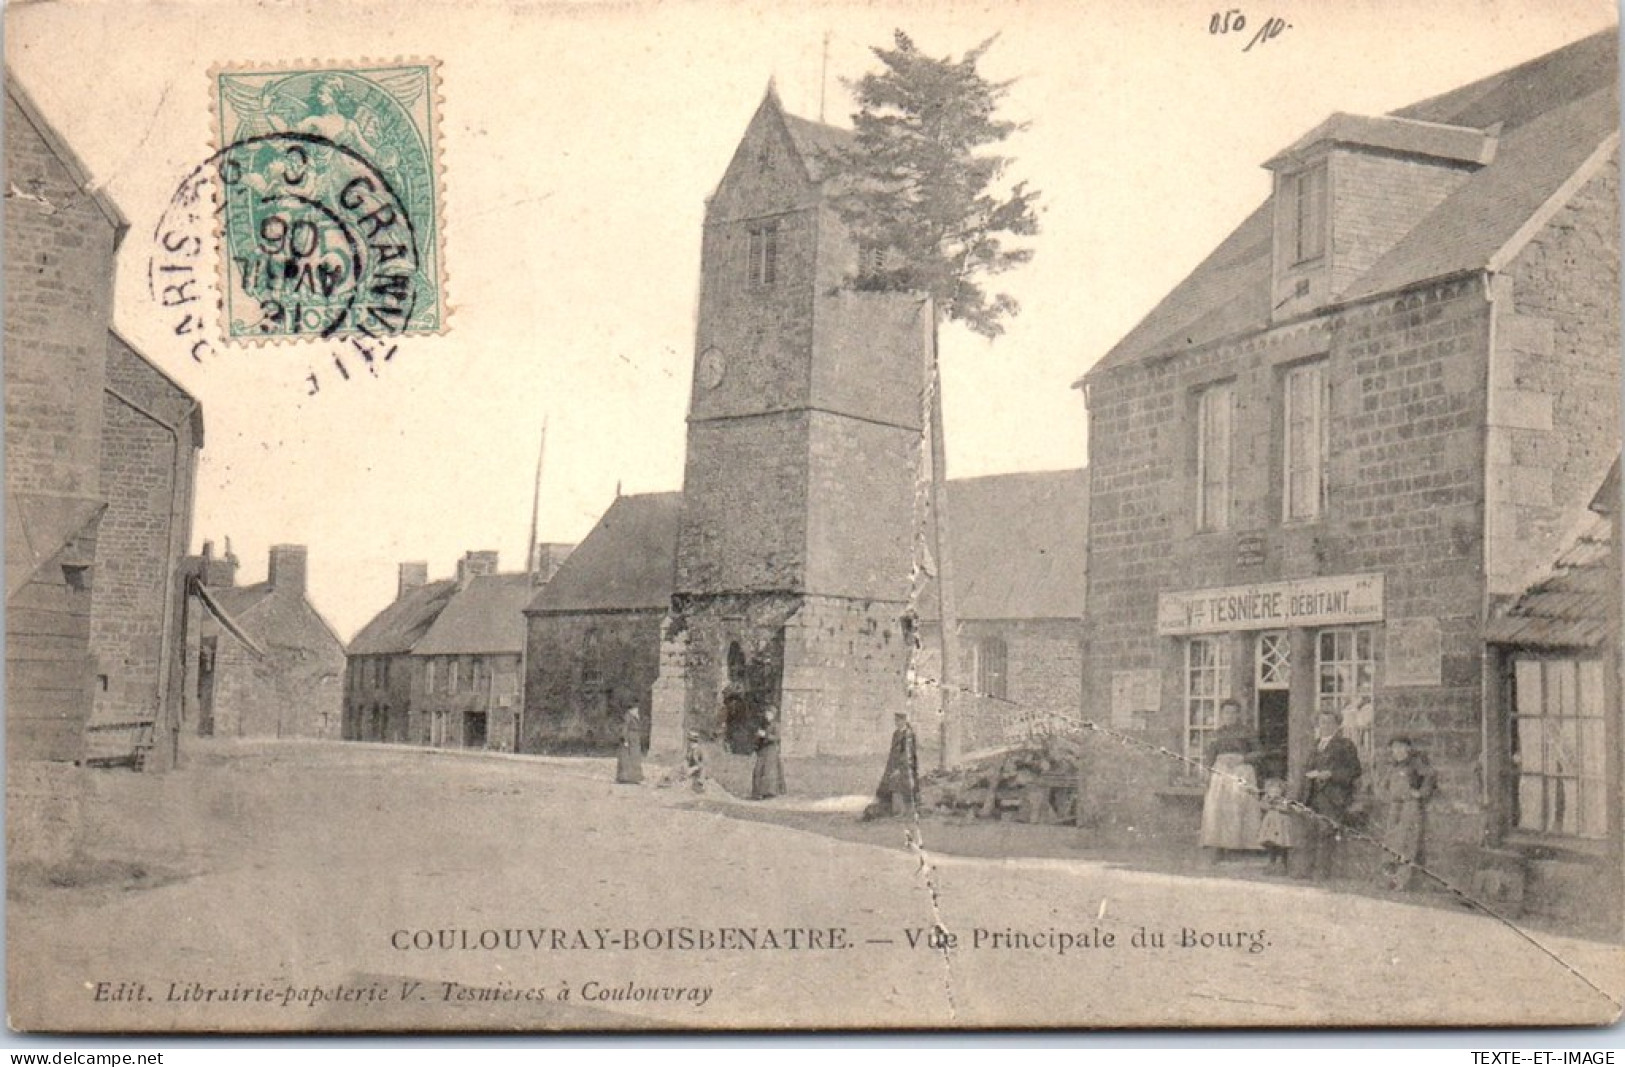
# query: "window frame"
[1591,824]
[1361,692]
[1318,433]
[1194,734]
[1310,189]
[1214,488]
[990,666]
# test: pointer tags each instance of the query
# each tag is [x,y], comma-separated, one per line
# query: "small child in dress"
[1275,830]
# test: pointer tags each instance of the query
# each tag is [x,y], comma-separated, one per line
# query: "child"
[1403,791]
[694,763]
[1275,831]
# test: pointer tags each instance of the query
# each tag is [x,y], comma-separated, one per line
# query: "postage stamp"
[330,223]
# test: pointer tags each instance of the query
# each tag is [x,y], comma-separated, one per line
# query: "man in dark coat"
[1328,791]
[899,792]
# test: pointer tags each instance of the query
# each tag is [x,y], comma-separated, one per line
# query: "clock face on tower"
[712,367]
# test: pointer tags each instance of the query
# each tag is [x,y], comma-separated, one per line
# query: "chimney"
[545,564]
[476,565]
[218,573]
[412,576]
[287,570]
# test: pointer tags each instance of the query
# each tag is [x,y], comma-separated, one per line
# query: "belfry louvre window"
[1558,747]
[1214,406]
[763,254]
[1309,214]
[1303,489]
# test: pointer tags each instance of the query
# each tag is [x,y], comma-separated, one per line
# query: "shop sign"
[1335,600]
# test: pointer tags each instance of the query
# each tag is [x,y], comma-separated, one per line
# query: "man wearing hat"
[1327,791]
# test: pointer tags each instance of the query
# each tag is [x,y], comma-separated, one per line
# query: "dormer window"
[763,254]
[1309,213]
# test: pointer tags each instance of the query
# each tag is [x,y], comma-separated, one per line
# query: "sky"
[579,142]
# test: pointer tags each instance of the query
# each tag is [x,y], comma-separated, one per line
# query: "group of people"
[1302,831]
[767,778]
[898,793]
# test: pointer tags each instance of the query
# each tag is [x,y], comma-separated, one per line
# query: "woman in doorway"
[629,758]
[1230,812]
[767,780]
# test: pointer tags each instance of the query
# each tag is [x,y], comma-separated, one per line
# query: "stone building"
[263,662]
[1554,705]
[594,646]
[471,661]
[593,632]
[100,463]
[1325,457]
[793,548]
[1017,544]
[381,680]
[443,664]
[152,430]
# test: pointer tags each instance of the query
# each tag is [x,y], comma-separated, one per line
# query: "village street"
[323,885]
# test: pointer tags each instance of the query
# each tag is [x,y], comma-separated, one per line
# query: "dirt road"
[315,886]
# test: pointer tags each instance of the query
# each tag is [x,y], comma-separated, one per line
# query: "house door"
[1272,691]
[208,648]
[473,729]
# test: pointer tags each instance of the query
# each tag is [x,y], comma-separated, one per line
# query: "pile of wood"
[1036,783]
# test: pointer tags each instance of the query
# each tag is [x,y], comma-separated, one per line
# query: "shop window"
[1346,683]
[1558,749]
[1207,682]
[1214,406]
[1303,488]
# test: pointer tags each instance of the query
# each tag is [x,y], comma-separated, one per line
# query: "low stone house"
[262,661]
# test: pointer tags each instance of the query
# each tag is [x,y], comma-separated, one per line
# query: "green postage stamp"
[330,223]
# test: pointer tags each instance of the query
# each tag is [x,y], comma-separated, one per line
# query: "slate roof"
[485,616]
[1554,111]
[1018,551]
[400,626]
[238,600]
[815,142]
[1568,608]
[627,563]
[1018,543]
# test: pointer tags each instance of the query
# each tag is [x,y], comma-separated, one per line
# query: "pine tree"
[919,194]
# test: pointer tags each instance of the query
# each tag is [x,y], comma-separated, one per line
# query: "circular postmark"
[313,244]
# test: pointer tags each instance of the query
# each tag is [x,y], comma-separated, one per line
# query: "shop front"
[1285,651]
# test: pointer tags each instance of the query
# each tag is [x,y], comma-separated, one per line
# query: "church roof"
[1554,111]
[1018,544]
[816,142]
[627,563]
[486,616]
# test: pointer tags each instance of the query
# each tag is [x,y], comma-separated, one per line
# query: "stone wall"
[1404,498]
[150,436]
[1554,382]
[568,712]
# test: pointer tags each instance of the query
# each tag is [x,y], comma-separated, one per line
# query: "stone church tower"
[794,545]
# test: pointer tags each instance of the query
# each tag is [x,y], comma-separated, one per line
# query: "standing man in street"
[1328,792]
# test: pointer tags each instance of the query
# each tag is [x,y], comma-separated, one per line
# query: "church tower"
[794,547]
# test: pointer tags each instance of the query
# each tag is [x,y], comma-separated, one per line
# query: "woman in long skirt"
[1231,811]
[629,758]
[767,780]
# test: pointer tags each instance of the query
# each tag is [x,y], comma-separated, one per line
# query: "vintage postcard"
[718,516]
